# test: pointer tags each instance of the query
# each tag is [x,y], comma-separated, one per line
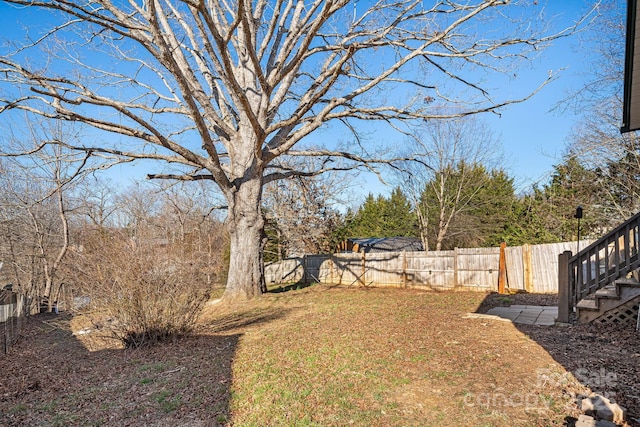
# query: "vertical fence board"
[527,268]
[515,268]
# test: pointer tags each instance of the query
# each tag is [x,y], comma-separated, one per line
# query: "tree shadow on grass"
[602,358]
[243,318]
[290,287]
[50,377]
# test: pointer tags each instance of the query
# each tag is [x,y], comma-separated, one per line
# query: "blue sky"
[532,136]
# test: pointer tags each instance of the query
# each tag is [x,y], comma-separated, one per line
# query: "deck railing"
[610,258]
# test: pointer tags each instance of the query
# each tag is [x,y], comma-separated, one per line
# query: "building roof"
[385,244]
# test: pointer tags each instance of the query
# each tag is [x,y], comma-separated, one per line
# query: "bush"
[146,291]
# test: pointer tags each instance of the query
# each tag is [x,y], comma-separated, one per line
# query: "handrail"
[613,256]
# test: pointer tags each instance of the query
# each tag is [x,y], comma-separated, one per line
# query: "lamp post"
[578,216]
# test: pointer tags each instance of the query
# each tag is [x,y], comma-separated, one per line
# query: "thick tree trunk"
[246,230]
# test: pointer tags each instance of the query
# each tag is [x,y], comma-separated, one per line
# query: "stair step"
[603,299]
[587,304]
[628,281]
[607,292]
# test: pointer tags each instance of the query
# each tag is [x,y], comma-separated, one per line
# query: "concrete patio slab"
[527,314]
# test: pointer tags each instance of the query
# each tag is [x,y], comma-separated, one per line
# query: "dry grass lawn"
[314,357]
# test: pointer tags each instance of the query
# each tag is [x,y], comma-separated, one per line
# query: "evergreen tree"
[399,219]
[547,215]
[467,206]
[493,210]
[384,217]
[367,221]
[530,221]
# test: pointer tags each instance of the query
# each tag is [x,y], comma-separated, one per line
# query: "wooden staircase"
[615,303]
[604,276]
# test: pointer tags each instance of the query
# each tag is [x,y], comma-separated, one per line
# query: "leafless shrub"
[142,291]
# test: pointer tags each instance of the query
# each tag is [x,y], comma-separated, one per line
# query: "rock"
[602,408]
[589,421]
[585,421]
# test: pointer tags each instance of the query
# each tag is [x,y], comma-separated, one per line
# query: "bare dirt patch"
[318,356]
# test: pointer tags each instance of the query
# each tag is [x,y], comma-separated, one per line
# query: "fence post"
[455,268]
[527,268]
[404,269]
[502,269]
[331,267]
[305,267]
[364,270]
[564,295]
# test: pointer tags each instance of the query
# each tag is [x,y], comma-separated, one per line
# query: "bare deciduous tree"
[301,212]
[96,201]
[446,182]
[219,90]
[35,213]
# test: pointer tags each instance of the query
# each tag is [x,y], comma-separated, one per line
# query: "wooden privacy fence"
[531,268]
